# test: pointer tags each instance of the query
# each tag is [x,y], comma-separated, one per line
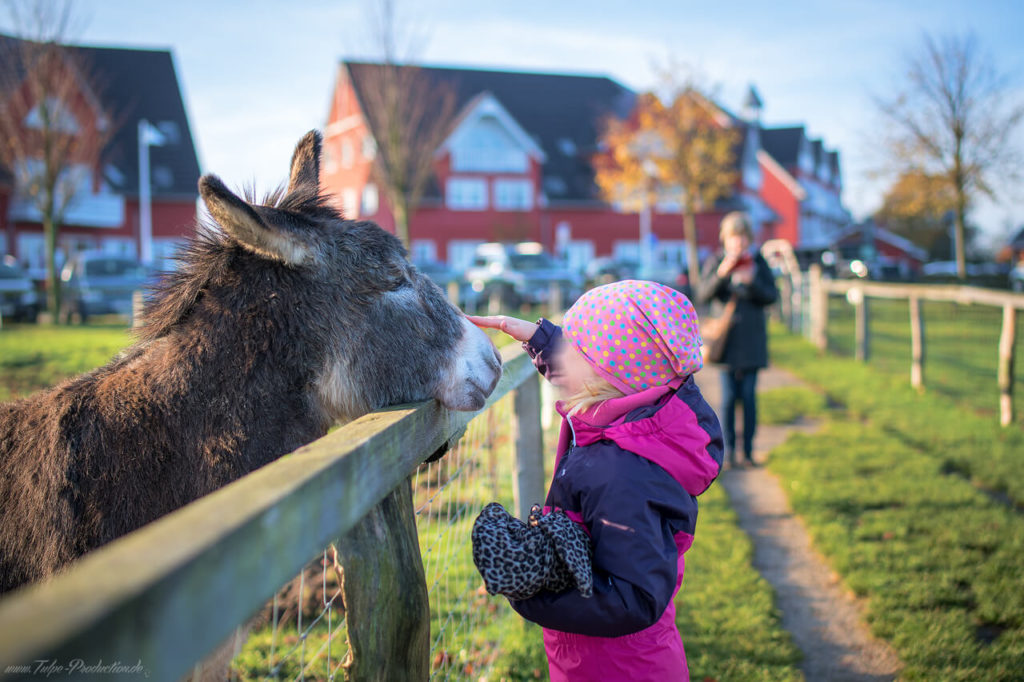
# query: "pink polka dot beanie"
[636,334]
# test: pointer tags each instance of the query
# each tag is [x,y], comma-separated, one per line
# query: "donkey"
[282,319]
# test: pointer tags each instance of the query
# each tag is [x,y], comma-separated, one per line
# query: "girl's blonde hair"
[594,392]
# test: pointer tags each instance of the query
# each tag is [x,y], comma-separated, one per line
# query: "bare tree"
[52,126]
[952,120]
[410,115]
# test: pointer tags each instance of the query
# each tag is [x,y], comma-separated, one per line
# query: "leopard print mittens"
[518,559]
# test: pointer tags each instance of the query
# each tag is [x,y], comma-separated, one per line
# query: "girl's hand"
[727,265]
[520,330]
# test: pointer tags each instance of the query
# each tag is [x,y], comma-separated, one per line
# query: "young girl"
[638,443]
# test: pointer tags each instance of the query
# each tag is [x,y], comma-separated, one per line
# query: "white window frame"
[513,194]
[369,147]
[350,203]
[466,194]
[330,158]
[461,253]
[32,252]
[423,250]
[347,153]
[370,202]
[122,247]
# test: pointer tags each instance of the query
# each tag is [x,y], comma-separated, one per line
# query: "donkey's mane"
[207,252]
[176,292]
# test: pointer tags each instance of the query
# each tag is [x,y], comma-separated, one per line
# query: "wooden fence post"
[494,301]
[528,485]
[916,344]
[554,299]
[138,305]
[387,610]
[862,350]
[819,309]
[1007,341]
[786,302]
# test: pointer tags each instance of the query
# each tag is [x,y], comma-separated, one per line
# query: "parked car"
[443,276]
[668,273]
[1016,277]
[96,283]
[986,274]
[605,270]
[18,298]
[521,274]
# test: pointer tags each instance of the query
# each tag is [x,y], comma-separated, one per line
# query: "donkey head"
[369,330]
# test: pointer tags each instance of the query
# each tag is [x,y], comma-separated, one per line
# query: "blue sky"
[257,74]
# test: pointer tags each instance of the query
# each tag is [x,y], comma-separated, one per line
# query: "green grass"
[788,404]
[890,490]
[961,348]
[957,437]
[36,357]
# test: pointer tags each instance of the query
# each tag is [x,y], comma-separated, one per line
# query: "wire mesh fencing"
[301,634]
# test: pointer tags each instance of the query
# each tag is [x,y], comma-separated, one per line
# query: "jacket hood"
[671,425]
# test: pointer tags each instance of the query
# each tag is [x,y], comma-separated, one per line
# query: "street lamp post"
[646,215]
[149,136]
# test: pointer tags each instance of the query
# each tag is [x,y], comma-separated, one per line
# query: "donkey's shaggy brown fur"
[282,319]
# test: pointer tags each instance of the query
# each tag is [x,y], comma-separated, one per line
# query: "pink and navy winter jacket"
[629,471]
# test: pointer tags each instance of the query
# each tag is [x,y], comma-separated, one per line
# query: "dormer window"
[489,140]
[554,184]
[163,177]
[805,160]
[346,154]
[369,147]
[488,148]
[56,115]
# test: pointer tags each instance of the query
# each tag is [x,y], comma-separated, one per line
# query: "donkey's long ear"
[306,163]
[239,220]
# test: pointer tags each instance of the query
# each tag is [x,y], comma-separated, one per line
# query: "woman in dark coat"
[744,274]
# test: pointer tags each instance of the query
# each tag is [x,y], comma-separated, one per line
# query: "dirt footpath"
[824,620]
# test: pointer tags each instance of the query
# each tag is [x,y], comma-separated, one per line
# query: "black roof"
[1018,240]
[133,84]
[562,113]
[783,144]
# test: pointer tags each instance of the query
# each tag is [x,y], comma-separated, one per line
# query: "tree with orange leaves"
[686,150]
[699,161]
[625,171]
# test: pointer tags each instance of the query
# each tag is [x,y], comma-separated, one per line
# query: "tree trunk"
[52,278]
[401,213]
[692,257]
[960,238]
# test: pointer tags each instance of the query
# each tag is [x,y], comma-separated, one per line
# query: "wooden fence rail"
[167,594]
[858,293]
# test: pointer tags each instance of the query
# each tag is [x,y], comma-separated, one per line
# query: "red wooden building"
[133,85]
[516,167]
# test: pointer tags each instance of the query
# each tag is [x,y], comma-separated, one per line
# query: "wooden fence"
[807,311]
[168,594]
